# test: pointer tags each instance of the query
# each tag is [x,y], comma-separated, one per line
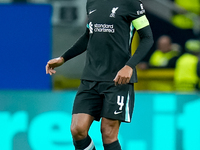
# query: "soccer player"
[106,91]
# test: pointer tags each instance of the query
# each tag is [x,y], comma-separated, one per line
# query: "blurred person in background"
[106,91]
[188,15]
[187,71]
[189,5]
[166,54]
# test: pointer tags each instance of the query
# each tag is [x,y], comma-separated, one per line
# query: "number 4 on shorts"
[120,101]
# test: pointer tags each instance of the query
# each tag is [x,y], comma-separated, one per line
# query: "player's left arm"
[146,41]
[136,13]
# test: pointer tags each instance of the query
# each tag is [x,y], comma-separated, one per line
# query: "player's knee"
[108,135]
[107,131]
[78,132]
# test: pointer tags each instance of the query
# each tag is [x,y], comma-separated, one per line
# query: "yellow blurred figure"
[186,20]
[187,71]
[190,5]
[164,56]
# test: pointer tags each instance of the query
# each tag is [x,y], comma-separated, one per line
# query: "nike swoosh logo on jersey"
[119,112]
[92,11]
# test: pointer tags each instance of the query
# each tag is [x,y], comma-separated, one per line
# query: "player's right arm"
[79,47]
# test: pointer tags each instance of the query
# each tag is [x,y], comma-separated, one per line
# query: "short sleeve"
[137,14]
[135,9]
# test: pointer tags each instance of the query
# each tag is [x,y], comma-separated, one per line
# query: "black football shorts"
[104,99]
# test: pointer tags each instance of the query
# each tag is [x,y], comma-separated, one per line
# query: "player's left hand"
[124,75]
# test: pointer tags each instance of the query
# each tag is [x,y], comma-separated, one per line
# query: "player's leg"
[117,107]
[79,128]
[109,131]
[87,107]
[80,125]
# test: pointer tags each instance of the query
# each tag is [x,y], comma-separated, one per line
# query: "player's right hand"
[53,63]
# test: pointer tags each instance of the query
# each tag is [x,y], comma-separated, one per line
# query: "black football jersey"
[111,25]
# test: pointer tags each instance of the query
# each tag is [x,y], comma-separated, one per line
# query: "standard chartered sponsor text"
[104,28]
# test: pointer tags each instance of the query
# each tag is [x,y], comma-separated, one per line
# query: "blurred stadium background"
[35,109]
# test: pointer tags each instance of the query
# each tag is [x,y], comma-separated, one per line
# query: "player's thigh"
[81,123]
[110,124]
